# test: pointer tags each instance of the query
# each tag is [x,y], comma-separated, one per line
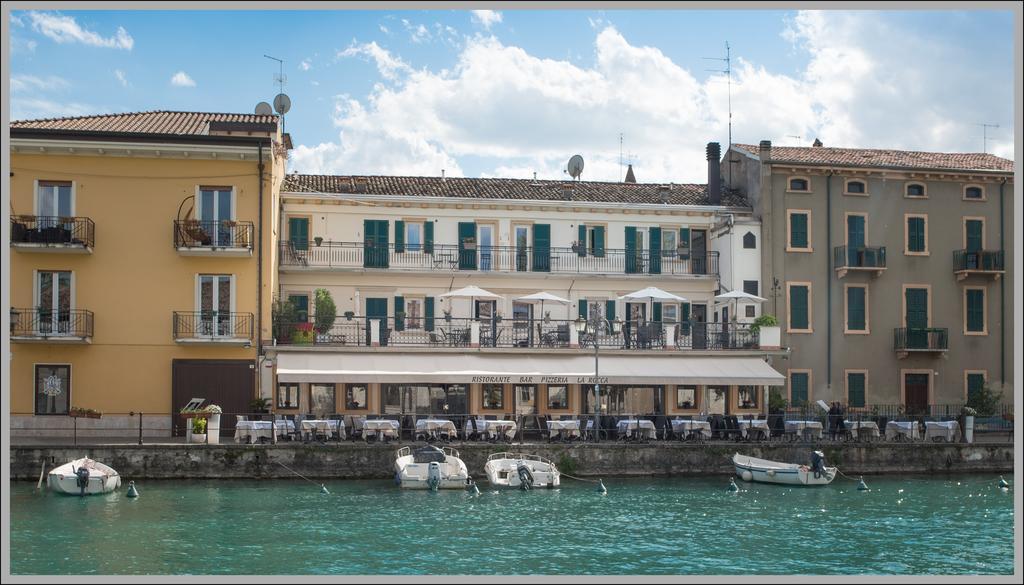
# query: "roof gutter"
[48,134]
[891,168]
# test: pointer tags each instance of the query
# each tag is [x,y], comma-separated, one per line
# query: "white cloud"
[121,77]
[503,111]
[21,45]
[418,33]
[65,29]
[305,65]
[31,83]
[384,29]
[17,21]
[33,108]
[181,79]
[486,18]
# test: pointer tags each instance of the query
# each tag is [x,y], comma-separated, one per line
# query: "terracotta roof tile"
[155,122]
[510,189]
[869,157]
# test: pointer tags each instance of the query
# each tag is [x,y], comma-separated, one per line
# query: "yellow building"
[141,255]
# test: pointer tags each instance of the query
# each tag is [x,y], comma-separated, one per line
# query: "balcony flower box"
[770,337]
[302,334]
[76,412]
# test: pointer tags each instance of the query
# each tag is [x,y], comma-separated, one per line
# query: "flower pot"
[198,438]
[302,337]
[969,429]
[213,428]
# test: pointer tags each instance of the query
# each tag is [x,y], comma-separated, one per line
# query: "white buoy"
[747,476]
[323,489]
[732,484]
[601,489]
[861,486]
[132,492]
[1003,484]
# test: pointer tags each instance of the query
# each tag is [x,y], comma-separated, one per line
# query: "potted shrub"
[259,405]
[349,315]
[325,310]
[302,333]
[319,240]
[767,331]
[469,244]
[199,429]
[213,413]
[283,317]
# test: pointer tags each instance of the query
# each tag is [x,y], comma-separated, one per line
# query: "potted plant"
[349,315]
[213,413]
[319,240]
[259,405]
[497,317]
[469,244]
[448,315]
[302,333]
[767,331]
[199,430]
[283,317]
[578,246]
[325,310]
[967,424]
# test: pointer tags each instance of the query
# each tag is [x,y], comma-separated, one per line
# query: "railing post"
[574,336]
[670,336]
[375,332]
[474,334]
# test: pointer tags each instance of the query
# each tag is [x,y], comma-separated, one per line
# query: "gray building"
[886,270]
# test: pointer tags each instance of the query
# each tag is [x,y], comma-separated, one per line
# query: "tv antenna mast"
[728,78]
[280,79]
[984,135]
[798,138]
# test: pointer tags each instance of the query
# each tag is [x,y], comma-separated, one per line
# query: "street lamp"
[593,326]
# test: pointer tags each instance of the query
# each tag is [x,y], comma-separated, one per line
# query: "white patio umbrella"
[469,292]
[738,295]
[542,297]
[651,294]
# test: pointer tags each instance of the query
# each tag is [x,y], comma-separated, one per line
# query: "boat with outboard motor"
[430,468]
[521,470]
[762,470]
[83,477]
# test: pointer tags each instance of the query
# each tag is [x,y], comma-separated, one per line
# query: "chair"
[661,423]
[474,432]
[436,339]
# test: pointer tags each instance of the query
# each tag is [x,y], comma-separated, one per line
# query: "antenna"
[621,170]
[281,80]
[575,167]
[728,74]
[984,135]
[798,138]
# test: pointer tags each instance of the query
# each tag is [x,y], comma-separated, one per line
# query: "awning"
[523,369]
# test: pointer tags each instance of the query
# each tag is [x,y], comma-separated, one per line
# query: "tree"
[325,310]
[283,318]
[985,401]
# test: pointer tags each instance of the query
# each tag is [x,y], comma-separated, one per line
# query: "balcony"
[213,328]
[356,256]
[982,262]
[42,233]
[36,325]
[194,237]
[858,259]
[910,340]
[514,335]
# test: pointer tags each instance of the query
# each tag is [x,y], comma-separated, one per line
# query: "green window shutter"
[428,237]
[975,383]
[609,310]
[428,314]
[855,390]
[631,263]
[798,307]
[599,241]
[582,251]
[855,309]
[973,228]
[684,317]
[656,312]
[655,250]
[583,308]
[399,236]
[298,232]
[541,247]
[975,311]
[798,383]
[798,230]
[915,237]
[467,257]
[301,304]
[684,243]
[399,313]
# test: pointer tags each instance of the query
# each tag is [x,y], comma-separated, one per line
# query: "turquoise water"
[944,525]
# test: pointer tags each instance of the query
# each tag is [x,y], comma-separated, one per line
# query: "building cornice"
[247,150]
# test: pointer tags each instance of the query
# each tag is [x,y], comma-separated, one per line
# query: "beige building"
[141,252]
[886,269]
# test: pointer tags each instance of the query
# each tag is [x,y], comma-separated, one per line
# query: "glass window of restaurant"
[287,395]
[493,396]
[686,397]
[321,399]
[558,397]
[621,400]
[356,396]
[438,399]
[748,397]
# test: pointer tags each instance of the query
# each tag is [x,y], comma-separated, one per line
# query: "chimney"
[817,143]
[663,192]
[714,174]
[630,177]
[765,150]
[567,191]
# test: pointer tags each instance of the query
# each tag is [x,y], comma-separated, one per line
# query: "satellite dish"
[575,166]
[282,103]
[263,109]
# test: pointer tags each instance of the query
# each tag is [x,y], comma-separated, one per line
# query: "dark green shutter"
[599,241]
[798,230]
[583,308]
[684,317]
[656,312]
[428,314]
[609,314]
[631,255]
[684,243]
[973,228]
[467,258]
[915,227]
[855,228]
[655,247]
[582,250]
[855,390]
[301,304]
[975,384]
[375,243]
[298,232]
[541,247]
[798,388]
[399,313]
[428,237]
[975,310]
[399,236]
[798,307]
[855,310]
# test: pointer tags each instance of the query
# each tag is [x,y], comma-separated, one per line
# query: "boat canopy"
[428,455]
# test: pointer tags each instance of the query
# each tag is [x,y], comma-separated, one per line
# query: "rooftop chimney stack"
[714,173]
[817,143]
[765,150]
[630,177]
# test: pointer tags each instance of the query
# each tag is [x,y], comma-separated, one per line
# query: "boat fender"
[323,490]
[525,477]
[747,475]
[1002,483]
[732,484]
[82,475]
[771,473]
[861,486]
[601,489]
[471,487]
[132,492]
[398,478]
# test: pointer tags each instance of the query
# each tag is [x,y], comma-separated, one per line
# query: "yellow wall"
[135,278]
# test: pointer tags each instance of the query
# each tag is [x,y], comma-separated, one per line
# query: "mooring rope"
[564,474]
[297,473]
[840,472]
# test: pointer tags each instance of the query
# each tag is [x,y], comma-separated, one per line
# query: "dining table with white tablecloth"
[752,428]
[684,427]
[252,431]
[629,427]
[326,427]
[947,431]
[902,430]
[563,428]
[862,428]
[380,427]
[492,428]
[435,427]
[800,427]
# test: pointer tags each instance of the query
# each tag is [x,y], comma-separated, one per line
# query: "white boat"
[519,470]
[430,468]
[762,470]
[83,477]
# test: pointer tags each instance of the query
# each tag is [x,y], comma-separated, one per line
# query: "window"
[215,304]
[53,199]
[916,190]
[974,312]
[916,235]
[749,241]
[413,313]
[595,240]
[974,382]
[669,313]
[800,184]
[301,305]
[748,396]
[974,192]
[856,309]
[750,311]
[799,307]
[750,287]
[799,236]
[558,397]
[686,397]
[355,396]
[856,187]
[799,388]
[668,242]
[494,396]
[287,395]
[53,389]
[413,237]
[321,399]
[53,302]
[856,389]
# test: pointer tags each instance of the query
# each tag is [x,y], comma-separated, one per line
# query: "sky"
[509,93]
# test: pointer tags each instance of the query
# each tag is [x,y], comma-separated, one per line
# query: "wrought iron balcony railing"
[51,324]
[212,326]
[978,261]
[871,257]
[906,339]
[52,231]
[213,235]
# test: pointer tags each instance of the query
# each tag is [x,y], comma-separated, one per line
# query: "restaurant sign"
[540,379]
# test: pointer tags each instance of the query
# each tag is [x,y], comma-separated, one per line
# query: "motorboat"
[520,470]
[430,468]
[762,470]
[83,477]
